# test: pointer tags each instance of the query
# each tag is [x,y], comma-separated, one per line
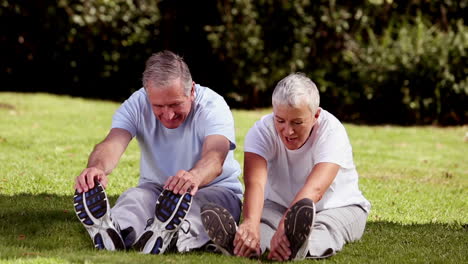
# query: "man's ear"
[192,92]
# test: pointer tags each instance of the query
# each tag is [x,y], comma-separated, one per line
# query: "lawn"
[415,177]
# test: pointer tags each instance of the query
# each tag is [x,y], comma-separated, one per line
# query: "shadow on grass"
[44,225]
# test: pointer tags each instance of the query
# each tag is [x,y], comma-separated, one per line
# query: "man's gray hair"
[164,67]
[296,89]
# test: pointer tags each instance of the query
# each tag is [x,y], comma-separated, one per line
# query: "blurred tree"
[76,47]
[414,73]
[107,38]
[108,26]
[360,53]
[262,41]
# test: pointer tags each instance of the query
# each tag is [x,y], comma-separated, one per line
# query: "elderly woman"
[302,198]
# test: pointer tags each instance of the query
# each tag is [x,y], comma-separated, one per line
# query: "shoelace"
[149,222]
[182,226]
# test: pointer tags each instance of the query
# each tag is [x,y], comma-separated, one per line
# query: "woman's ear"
[317,114]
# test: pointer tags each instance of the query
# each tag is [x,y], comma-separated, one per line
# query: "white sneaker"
[93,210]
[170,212]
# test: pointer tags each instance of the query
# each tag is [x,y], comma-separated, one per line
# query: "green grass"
[415,177]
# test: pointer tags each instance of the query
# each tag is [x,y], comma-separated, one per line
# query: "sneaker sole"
[220,227]
[298,225]
[92,209]
[170,212]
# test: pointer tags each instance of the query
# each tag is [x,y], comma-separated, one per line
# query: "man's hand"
[85,181]
[183,182]
[279,245]
[247,240]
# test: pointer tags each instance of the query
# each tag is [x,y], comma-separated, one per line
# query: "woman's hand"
[279,245]
[247,239]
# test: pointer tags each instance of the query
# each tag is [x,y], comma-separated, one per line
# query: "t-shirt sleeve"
[333,146]
[216,119]
[260,140]
[128,114]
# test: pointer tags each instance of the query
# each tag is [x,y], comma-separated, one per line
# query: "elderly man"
[186,136]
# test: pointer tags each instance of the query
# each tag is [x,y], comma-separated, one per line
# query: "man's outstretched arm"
[210,166]
[103,159]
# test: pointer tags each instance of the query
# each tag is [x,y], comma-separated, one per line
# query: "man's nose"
[168,113]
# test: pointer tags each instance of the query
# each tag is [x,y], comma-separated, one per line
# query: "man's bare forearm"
[208,168]
[104,157]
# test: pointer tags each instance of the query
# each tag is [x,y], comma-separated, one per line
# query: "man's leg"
[335,227]
[133,209]
[192,234]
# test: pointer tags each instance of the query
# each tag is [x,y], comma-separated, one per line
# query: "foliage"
[263,41]
[242,48]
[107,27]
[77,47]
[411,72]
[335,43]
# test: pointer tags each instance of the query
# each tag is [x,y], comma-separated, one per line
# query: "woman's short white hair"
[296,89]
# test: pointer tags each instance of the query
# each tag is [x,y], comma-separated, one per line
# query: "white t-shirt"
[289,169]
[165,151]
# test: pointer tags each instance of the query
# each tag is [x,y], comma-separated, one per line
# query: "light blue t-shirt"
[165,151]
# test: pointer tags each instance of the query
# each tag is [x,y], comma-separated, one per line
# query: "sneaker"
[93,210]
[298,225]
[170,212]
[220,227]
[128,236]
